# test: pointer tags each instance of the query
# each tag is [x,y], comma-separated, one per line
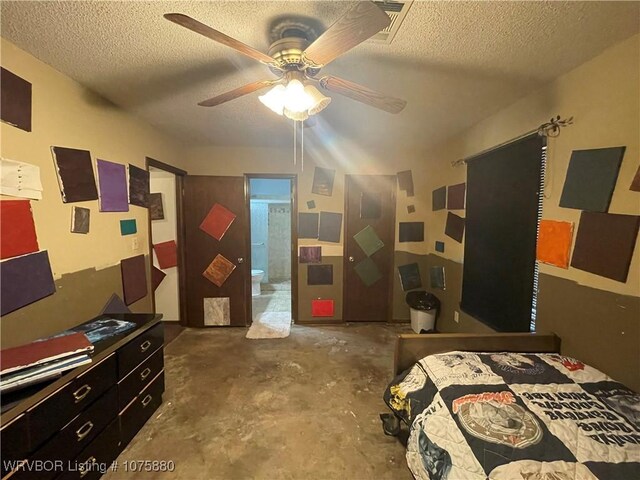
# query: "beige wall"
[597,318]
[66,114]
[603,96]
[168,292]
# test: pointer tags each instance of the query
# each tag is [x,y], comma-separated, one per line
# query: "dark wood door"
[370,211]
[201,193]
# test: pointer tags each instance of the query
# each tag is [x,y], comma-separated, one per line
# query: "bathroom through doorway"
[271,202]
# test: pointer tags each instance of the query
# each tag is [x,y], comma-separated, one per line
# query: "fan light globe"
[319,101]
[274,99]
[297,116]
[296,99]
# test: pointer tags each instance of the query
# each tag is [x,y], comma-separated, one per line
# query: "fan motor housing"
[289,39]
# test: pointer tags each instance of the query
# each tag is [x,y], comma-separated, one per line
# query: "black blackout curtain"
[500,234]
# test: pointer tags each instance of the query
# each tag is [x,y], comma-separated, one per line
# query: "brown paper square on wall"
[455,196]
[310,254]
[134,278]
[635,184]
[15,100]
[75,174]
[439,199]
[323,181]
[157,276]
[320,275]
[219,270]
[454,227]
[156,212]
[605,243]
[411,232]
[138,186]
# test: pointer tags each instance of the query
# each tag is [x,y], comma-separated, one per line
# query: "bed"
[509,406]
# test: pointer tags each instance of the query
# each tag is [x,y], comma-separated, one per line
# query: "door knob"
[351,259]
[240,260]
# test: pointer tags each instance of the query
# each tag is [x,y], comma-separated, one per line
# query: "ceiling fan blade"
[219,37]
[362,94]
[361,22]
[236,93]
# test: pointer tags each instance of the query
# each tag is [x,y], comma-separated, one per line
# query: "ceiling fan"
[296,58]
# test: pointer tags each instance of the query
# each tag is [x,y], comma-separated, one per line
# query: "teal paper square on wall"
[128,227]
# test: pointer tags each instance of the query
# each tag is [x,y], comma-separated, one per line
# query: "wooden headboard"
[410,348]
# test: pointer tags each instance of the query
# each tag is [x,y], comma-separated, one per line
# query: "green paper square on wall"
[128,227]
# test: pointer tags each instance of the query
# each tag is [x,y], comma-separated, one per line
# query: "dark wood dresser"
[77,425]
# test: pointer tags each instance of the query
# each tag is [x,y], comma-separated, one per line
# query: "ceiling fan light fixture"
[297,116]
[274,99]
[296,98]
[319,101]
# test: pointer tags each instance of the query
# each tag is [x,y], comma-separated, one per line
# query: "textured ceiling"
[454,62]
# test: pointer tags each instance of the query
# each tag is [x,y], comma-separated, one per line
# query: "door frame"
[294,237]
[180,232]
[347,234]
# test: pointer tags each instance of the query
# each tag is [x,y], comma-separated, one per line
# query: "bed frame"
[410,348]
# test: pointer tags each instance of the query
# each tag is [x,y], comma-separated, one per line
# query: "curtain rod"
[549,129]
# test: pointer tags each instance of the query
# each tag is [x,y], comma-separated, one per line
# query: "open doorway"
[166,227]
[271,205]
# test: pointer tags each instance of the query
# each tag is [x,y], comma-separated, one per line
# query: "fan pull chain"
[295,143]
[302,147]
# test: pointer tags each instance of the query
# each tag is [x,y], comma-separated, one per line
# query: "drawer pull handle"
[84,430]
[145,346]
[85,467]
[147,400]
[82,392]
[145,373]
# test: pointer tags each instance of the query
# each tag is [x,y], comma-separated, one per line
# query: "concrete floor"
[302,407]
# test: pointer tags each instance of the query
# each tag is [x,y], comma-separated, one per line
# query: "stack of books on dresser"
[42,360]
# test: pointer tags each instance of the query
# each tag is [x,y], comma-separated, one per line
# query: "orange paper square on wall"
[554,242]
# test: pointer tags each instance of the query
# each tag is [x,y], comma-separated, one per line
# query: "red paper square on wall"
[167,254]
[217,221]
[322,308]
[17,230]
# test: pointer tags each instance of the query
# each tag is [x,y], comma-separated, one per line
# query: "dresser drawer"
[137,413]
[74,437]
[140,377]
[15,442]
[48,416]
[137,350]
[96,459]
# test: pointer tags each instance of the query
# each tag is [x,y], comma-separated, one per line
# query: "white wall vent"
[396,10]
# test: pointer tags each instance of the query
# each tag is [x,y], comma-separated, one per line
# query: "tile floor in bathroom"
[275,297]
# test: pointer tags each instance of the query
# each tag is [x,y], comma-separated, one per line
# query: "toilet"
[256,278]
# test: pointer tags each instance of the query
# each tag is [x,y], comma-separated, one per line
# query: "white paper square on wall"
[217,311]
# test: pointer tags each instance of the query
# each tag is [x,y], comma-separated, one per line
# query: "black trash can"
[424,310]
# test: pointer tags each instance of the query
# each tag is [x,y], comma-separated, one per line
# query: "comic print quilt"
[507,416]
